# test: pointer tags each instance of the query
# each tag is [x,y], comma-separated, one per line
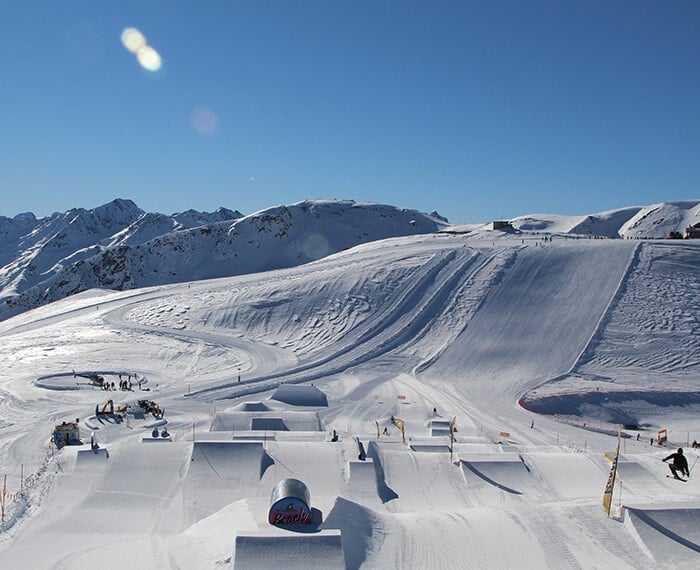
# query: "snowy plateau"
[449,395]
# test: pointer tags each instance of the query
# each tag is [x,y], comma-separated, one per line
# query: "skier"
[679,463]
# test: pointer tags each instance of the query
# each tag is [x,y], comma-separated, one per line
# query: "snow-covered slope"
[655,221]
[118,246]
[437,330]
[33,251]
[660,219]
[153,249]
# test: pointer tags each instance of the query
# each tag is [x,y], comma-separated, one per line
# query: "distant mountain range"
[119,246]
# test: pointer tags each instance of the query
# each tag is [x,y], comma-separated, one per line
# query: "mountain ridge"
[120,246]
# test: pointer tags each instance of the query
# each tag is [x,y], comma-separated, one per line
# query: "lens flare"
[205,121]
[133,40]
[315,246]
[149,58]
[136,43]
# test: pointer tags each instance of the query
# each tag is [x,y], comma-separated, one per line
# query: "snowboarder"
[679,463]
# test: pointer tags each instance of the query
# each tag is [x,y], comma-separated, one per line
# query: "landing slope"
[536,321]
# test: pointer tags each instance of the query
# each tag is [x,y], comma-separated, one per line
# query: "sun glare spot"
[133,40]
[316,246]
[149,58]
[205,121]
[136,43]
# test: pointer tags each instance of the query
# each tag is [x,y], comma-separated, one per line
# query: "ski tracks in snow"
[415,306]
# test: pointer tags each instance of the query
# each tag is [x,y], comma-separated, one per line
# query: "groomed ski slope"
[426,329]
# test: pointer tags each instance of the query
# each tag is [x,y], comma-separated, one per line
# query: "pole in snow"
[3,494]
[694,462]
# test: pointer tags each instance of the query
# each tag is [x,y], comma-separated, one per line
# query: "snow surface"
[118,246]
[487,328]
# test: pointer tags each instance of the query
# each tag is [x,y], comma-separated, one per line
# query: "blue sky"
[476,109]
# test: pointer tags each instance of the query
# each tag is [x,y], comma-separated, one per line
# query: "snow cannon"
[289,504]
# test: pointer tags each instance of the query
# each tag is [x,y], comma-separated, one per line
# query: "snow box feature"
[289,504]
[295,395]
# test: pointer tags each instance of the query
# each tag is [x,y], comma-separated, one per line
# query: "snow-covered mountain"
[33,250]
[119,246]
[655,221]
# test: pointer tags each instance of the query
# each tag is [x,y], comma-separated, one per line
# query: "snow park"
[334,384]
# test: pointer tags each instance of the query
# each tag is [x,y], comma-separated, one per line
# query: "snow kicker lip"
[472,467]
[673,524]
[614,406]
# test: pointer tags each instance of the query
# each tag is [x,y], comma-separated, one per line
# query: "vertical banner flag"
[610,485]
[399,423]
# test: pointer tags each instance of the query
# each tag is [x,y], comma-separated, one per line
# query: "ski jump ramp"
[221,472]
[316,463]
[107,498]
[362,479]
[133,503]
[641,481]
[504,471]
[276,548]
[567,476]
[671,536]
[545,475]
[416,481]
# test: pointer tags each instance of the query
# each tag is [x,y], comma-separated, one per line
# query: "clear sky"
[477,109]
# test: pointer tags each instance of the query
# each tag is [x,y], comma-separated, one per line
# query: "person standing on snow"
[679,463]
